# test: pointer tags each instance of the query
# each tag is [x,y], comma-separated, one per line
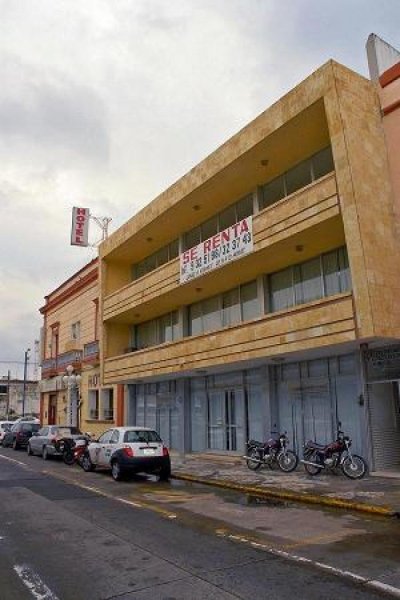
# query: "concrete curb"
[289,496]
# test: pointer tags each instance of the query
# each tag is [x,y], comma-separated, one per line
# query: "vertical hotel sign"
[80,226]
[227,245]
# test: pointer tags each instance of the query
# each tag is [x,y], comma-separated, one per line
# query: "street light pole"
[72,382]
[26,358]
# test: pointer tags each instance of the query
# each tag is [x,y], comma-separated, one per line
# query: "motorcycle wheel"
[68,458]
[310,469]
[355,467]
[252,464]
[288,462]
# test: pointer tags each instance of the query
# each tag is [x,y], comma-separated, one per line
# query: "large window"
[157,331]
[236,305]
[320,277]
[231,215]
[297,177]
[159,258]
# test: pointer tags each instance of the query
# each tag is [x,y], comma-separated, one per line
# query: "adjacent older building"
[247,296]
[70,387]
[18,398]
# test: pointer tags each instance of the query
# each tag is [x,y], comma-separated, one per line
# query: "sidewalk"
[374,494]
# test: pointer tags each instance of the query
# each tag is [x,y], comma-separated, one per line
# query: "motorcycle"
[334,456]
[271,453]
[72,450]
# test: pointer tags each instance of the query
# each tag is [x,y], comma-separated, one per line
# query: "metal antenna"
[103,223]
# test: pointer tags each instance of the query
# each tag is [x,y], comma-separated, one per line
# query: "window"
[159,258]
[297,177]
[158,331]
[272,192]
[144,436]
[106,437]
[234,306]
[231,308]
[93,404]
[320,277]
[107,397]
[281,290]
[44,431]
[115,437]
[76,330]
[231,215]
[250,304]
[322,163]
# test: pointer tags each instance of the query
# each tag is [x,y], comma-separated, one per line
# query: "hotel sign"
[220,249]
[80,226]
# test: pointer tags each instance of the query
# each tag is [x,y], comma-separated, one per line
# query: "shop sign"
[224,247]
[382,363]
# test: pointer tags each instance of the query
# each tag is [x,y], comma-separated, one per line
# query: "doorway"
[52,417]
[226,419]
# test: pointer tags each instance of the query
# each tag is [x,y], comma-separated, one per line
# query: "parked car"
[128,450]
[19,434]
[4,427]
[44,442]
[27,419]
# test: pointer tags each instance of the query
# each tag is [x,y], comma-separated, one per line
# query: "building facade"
[12,403]
[70,386]
[249,296]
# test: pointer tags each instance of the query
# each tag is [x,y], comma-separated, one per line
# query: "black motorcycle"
[271,453]
[334,456]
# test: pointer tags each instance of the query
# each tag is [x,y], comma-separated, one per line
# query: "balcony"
[320,323]
[73,358]
[49,368]
[91,352]
[314,208]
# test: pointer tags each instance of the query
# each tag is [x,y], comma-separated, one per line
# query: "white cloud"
[105,104]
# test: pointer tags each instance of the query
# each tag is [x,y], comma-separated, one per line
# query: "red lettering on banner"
[207,246]
[81,211]
[244,226]
[193,253]
[226,235]
[216,241]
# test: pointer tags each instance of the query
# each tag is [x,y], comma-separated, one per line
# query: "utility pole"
[8,393]
[24,387]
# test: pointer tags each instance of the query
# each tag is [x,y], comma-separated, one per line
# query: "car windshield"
[30,427]
[141,436]
[5,426]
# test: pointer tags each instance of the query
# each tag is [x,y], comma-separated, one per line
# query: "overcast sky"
[106,103]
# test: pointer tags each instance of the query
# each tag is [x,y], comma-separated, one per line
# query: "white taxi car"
[128,450]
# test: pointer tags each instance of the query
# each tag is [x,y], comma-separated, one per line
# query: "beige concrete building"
[250,295]
[70,348]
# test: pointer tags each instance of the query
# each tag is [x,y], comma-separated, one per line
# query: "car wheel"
[86,463]
[29,450]
[15,445]
[45,453]
[164,474]
[116,470]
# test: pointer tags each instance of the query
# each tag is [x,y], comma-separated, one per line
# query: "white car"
[129,450]
[4,427]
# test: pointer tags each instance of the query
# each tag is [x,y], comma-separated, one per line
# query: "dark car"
[20,434]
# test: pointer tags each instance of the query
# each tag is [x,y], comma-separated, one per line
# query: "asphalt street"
[65,534]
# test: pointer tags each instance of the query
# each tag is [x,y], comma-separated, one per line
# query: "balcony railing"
[74,358]
[57,365]
[91,351]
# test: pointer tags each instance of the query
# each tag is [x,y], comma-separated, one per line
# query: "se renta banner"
[80,226]
[227,245]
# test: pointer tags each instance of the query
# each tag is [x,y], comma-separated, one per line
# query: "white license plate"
[147,451]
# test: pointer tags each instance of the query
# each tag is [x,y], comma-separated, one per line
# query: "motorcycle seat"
[315,445]
[255,443]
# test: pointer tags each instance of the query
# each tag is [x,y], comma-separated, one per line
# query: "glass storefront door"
[226,419]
